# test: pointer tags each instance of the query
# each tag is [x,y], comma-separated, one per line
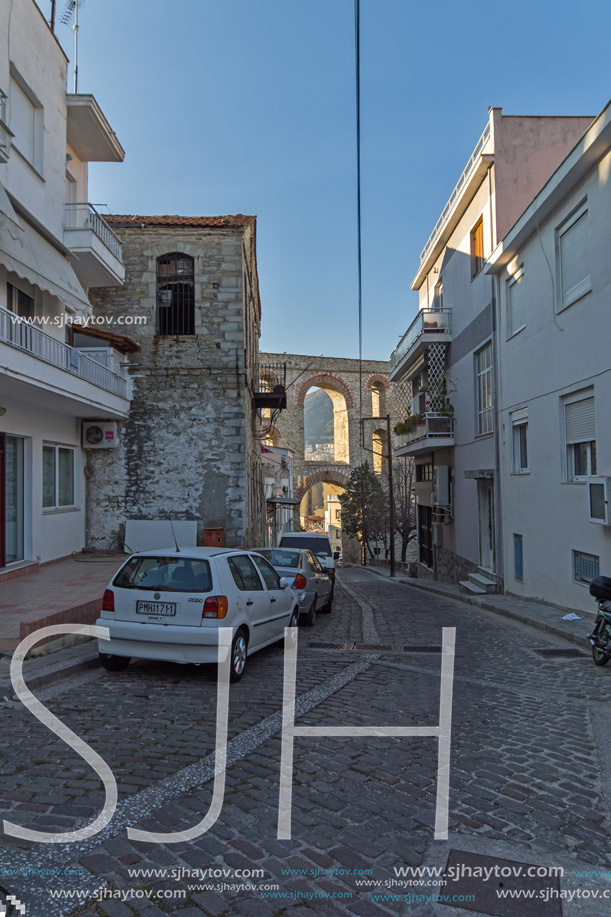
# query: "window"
[516,304]
[477,247]
[483,371]
[438,301]
[179,574]
[270,577]
[519,424]
[518,558]
[19,302]
[175,294]
[424,472]
[585,567]
[425,535]
[580,433]
[573,258]
[57,477]
[26,122]
[244,574]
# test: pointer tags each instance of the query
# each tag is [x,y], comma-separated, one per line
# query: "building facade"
[552,280]
[190,447]
[444,367]
[54,249]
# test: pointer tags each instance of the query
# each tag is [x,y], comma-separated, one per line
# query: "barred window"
[585,567]
[175,294]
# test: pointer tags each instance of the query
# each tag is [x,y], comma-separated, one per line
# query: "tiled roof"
[236,220]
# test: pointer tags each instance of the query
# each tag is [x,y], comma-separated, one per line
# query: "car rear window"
[318,545]
[170,574]
[281,558]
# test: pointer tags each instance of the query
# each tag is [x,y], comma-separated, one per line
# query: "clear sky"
[248,106]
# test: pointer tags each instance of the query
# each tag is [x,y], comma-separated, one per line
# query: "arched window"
[175,294]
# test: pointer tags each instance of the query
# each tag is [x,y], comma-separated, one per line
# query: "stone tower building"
[189,447]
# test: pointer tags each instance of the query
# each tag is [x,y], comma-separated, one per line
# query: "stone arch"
[377,379]
[326,381]
[322,476]
[379,448]
[270,437]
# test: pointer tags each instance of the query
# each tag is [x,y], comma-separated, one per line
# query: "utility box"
[214,538]
[441,486]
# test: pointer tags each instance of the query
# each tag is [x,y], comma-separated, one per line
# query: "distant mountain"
[318,418]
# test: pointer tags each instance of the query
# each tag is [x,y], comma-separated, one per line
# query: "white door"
[485,495]
[281,601]
[253,595]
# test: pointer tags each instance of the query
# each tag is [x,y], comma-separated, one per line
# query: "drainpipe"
[498,499]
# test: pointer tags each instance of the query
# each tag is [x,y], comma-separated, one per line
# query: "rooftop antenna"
[72,6]
[174,534]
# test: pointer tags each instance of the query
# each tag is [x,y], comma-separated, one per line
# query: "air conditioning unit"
[441,486]
[599,500]
[100,434]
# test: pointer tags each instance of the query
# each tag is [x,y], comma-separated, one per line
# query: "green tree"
[365,508]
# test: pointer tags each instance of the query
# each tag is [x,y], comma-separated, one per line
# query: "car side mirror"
[284,582]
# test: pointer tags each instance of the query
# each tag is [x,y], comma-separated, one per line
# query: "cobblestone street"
[529,775]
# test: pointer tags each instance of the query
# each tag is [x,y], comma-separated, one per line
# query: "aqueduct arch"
[348,384]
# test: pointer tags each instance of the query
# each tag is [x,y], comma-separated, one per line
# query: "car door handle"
[272,599]
[249,602]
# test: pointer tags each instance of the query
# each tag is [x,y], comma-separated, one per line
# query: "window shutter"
[574,260]
[580,426]
[517,305]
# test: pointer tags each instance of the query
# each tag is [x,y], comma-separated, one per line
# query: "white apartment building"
[553,278]
[444,366]
[53,248]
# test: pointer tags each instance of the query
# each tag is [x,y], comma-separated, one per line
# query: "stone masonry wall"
[188,447]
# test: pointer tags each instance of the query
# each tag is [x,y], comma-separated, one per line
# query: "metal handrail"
[84,216]
[23,335]
[427,320]
[459,186]
[434,423]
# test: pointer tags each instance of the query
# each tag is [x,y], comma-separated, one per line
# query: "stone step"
[488,574]
[470,588]
[483,582]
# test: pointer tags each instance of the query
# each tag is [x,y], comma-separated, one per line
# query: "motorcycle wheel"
[598,656]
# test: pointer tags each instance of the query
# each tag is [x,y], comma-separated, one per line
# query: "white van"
[316,542]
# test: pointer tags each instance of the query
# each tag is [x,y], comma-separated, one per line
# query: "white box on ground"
[148,534]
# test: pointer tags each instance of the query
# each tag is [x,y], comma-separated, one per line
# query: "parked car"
[169,604]
[316,542]
[309,580]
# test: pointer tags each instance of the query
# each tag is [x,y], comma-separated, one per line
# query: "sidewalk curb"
[578,638]
[53,673]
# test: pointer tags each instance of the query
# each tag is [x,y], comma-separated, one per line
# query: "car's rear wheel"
[113,663]
[309,618]
[239,655]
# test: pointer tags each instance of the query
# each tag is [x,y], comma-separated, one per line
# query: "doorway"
[485,499]
[12,502]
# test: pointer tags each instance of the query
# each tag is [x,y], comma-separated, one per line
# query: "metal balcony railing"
[23,335]
[425,321]
[270,390]
[433,424]
[85,216]
[457,190]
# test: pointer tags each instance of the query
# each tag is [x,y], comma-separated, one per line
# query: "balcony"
[433,432]
[32,347]
[427,328]
[271,392]
[98,258]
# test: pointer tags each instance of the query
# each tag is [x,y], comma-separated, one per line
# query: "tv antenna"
[72,7]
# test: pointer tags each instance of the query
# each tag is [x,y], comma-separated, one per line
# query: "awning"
[24,252]
[119,341]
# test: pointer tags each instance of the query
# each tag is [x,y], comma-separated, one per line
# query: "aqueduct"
[355,389]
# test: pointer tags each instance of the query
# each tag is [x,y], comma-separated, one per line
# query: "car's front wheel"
[309,618]
[113,663]
[239,655]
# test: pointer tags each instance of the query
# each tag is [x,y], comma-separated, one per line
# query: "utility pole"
[391,491]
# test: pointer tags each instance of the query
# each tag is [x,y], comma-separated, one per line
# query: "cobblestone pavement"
[528,769]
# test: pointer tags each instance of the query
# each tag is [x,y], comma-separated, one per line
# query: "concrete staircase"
[481,583]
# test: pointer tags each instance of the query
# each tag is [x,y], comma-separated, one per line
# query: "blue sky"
[247,106]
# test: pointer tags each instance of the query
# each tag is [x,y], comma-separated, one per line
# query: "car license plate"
[156,608]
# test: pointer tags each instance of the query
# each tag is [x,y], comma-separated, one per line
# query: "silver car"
[308,578]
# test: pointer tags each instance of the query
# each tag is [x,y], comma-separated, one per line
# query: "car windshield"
[167,574]
[320,545]
[281,558]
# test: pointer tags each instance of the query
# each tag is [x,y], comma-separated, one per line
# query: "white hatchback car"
[168,604]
